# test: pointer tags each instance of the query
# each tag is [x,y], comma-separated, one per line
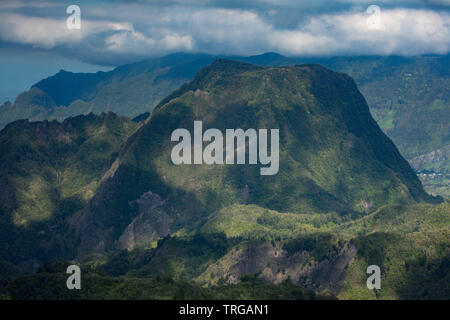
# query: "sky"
[36,40]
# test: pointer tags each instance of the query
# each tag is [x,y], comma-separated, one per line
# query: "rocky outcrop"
[330,274]
[151,223]
[274,264]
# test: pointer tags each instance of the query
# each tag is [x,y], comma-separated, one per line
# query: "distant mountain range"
[101,191]
[127,90]
[408,97]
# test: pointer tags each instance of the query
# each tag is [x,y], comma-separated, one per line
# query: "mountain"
[32,104]
[129,90]
[407,96]
[48,170]
[333,157]
[102,192]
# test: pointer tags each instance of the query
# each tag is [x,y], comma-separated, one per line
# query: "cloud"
[35,31]
[129,40]
[108,37]
[22,4]
[401,31]
[118,32]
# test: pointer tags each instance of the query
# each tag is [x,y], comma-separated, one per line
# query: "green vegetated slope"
[409,243]
[48,171]
[47,285]
[409,98]
[344,198]
[333,156]
[434,170]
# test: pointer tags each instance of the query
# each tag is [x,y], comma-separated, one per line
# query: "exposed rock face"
[275,265]
[366,205]
[151,223]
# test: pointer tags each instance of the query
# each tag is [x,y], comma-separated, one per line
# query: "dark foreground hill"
[407,96]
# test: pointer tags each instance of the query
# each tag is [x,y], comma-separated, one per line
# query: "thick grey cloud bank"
[114,32]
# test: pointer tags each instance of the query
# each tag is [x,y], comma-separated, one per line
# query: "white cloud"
[402,31]
[140,31]
[14,4]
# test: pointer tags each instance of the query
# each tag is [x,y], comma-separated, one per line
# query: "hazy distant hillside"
[127,90]
[410,99]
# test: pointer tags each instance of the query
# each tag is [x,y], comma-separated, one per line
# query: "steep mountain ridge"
[333,156]
[129,90]
[48,171]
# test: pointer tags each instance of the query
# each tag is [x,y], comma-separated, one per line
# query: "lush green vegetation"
[49,171]
[410,244]
[410,100]
[51,284]
[408,96]
[334,158]
[344,198]
[127,90]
